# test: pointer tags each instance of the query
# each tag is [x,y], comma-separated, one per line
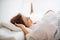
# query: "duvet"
[10,32]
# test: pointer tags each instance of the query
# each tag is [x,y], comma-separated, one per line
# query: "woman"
[22,22]
[45,30]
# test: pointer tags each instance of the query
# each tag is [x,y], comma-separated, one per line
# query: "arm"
[22,27]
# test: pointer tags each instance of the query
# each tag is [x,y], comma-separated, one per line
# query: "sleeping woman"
[23,22]
[44,30]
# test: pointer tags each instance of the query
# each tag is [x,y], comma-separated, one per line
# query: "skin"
[23,28]
[27,22]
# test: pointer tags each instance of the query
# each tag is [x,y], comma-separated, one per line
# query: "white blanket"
[10,32]
[47,29]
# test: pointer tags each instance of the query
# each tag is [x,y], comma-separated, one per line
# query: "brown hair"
[17,19]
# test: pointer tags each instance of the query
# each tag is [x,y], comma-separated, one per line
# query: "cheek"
[29,22]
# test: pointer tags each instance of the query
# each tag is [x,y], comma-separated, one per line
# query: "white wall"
[9,8]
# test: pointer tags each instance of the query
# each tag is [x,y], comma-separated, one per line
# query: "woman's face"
[27,21]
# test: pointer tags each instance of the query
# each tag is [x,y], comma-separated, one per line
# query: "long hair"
[17,19]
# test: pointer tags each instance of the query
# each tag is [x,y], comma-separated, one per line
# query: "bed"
[10,32]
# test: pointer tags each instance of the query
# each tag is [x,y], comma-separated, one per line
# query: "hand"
[20,25]
[23,28]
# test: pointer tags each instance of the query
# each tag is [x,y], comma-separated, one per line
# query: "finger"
[16,24]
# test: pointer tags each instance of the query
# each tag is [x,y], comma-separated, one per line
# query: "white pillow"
[10,26]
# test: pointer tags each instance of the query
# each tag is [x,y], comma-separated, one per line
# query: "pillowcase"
[10,26]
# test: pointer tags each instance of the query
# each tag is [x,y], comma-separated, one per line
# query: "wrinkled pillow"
[10,26]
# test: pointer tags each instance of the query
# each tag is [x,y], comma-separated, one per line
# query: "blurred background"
[9,8]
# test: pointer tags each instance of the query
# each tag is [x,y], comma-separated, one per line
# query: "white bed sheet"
[9,33]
